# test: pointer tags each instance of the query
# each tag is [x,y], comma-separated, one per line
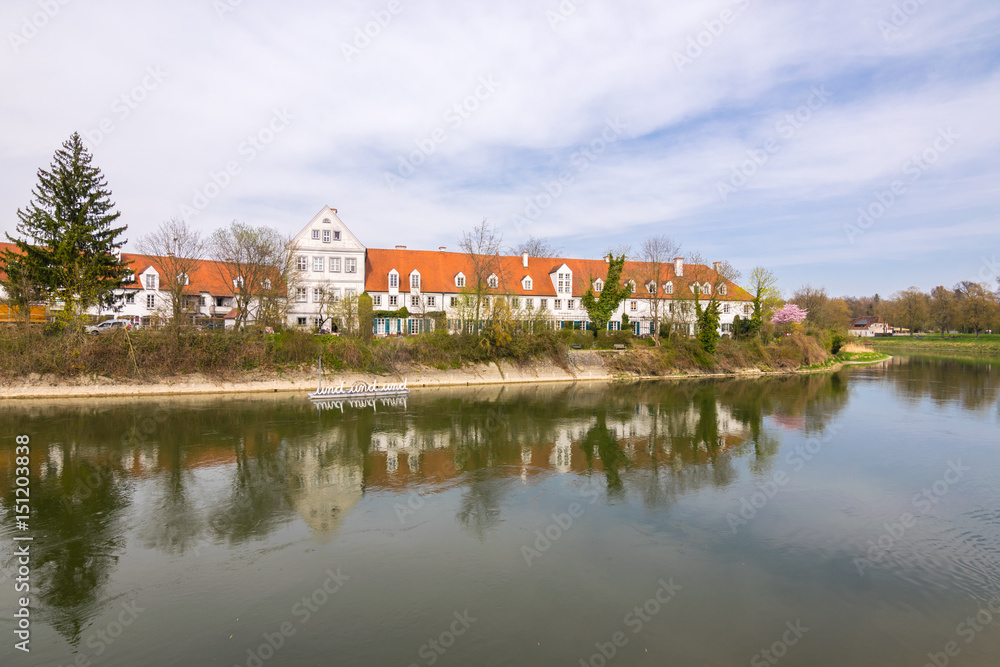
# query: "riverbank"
[964,344]
[581,366]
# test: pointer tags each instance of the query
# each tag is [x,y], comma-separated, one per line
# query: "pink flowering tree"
[789,314]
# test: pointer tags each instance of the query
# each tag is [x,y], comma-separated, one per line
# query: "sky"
[845,144]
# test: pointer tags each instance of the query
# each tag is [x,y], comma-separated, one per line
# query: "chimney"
[716,266]
[401,247]
[442,248]
[170,254]
[679,266]
[524,259]
[607,258]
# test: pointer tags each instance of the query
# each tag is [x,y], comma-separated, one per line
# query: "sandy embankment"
[583,366]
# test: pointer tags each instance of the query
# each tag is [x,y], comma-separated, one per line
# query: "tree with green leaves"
[601,308]
[366,317]
[68,237]
[707,319]
[764,287]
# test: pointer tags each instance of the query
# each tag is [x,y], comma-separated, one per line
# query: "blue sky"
[747,130]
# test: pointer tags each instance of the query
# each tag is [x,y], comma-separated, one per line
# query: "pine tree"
[68,238]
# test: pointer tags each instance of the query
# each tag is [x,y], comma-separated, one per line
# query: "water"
[847,519]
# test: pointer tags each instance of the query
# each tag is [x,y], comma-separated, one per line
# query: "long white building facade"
[413,290]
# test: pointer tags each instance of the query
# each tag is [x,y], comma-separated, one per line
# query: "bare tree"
[535,247]
[259,264]
[178,251]
[20,285]
[655,255]
[482,245]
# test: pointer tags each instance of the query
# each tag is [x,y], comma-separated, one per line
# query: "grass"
[964,343]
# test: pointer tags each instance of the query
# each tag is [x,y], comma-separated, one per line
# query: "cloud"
[695,85]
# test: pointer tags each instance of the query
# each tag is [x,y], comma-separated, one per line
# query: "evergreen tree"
[68,238]
[708,322]
[601,309]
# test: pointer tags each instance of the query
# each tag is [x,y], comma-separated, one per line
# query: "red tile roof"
[438,270]
[206,277]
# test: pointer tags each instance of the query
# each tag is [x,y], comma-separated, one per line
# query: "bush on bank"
[151,354]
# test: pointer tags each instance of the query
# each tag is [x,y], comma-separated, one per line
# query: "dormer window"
[460,280]
[668,288]
[707,288]
[393,280]
[651,287]
[526,282]
[722,290]
[631,286]
[151,281]
[414,280]
[183,279]
[564,282]
[598,285]
[238,282]
[493,281]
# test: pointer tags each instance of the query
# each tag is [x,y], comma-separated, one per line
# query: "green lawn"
[963,343]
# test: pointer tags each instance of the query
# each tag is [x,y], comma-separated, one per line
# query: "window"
[415,301]
[326,236]
[220,301]
[151,281]
[393,279]
[725,307]
[614,325]
[317,322]
[301,295]
[706,288]
[543,304]
[350,265]
[350,292]
[564,283]
[266,283]
[722,289]
[486,302]
[302,263]
[747,309]
[570,304]
[529,304]
[182,278]
[414,280]
[130,298]
[454,301]
[493,281]
[651,287]
[633,305]
[726,327]
[415,326]
[598,285]
[460,280]
[393,300]
[327,221]
[527,283]
[335,265]
[238,283]
[317,294]
[557,304]
[203,301]
[318,263]
[335,295]
[301,321]
[431,301]
[377,300]
[151,301]
[315,235]
[336,236]
[669,288]
[631,286]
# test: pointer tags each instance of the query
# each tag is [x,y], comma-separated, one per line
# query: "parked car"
[107,326]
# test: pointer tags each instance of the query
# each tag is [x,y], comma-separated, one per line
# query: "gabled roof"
[865,322]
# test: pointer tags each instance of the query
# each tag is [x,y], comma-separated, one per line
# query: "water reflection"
[194,471]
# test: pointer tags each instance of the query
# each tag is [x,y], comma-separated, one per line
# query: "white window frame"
[376,299]
[493,281]
[150,301]
[415,280]
[351,265]
[460,280]
[393,301]
[318,264]
[317,294]
[598,285]
[301,295]
[393,279]
[302,263]
[414,300]
[526,283]
[315,235]
[326,236]
[431,302]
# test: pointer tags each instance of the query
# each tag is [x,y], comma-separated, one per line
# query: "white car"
[107,326]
